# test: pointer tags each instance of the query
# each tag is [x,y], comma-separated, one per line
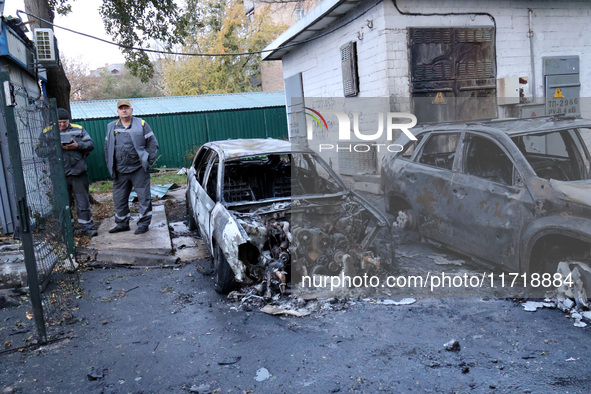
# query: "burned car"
[515,193]
[267,209]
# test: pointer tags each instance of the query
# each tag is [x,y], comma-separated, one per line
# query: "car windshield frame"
[576,154]
[312,158]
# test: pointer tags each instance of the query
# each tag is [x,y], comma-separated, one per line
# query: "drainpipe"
[530,34]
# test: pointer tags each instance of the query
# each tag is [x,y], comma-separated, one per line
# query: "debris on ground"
[179,229]
[532,306]
[156,191]
[201,389]
[440,259]
[275,310]
[452,346]
[566,305]
[230,361]
[403,301]
[262,375]
[248,299]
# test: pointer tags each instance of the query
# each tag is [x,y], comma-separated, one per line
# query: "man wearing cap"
[130,149]
[76,145]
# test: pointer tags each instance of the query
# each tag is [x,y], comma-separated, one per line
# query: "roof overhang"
[309,26]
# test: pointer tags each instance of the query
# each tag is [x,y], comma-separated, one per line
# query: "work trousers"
[122,185]
[78,192]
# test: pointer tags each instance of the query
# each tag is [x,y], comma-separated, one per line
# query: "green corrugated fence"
[181,134]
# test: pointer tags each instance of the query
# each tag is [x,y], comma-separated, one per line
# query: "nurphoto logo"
[391,120]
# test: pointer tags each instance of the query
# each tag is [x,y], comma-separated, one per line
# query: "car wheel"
[405,219]
[191,224]
[223,276]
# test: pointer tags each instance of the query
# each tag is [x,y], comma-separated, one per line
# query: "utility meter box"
[562,85]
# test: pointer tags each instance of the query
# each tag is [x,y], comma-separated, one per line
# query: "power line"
[194,54]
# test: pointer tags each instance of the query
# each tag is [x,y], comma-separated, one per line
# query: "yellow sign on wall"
[439,99]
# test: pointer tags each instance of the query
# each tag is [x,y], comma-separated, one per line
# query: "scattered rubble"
[274,310]
[404,301]
[452,346]
[440,259]
[532,306]
[201,389]
[179,229]
[262,375]
[564,304]
[249,299]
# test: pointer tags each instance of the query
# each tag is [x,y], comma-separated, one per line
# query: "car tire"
[191,224]
[223,276]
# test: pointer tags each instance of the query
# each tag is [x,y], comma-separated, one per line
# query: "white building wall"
[561,28]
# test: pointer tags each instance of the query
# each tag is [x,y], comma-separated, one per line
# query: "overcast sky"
[84,18]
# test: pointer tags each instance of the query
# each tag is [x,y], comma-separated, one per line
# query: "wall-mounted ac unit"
[45,44]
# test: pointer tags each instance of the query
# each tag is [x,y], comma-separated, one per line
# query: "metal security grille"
[453,73]
[349,67]
[41,254]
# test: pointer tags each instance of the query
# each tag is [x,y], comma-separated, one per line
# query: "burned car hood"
[308,235]
[576,191]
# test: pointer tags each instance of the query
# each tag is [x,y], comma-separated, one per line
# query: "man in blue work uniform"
[76,145]
[130,149]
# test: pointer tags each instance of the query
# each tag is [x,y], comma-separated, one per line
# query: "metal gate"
[44,242]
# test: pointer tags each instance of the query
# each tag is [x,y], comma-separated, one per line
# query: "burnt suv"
[515,193]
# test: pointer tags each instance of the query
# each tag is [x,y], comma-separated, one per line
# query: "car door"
[207,197]
[426,183]
[195,178]
[489,200]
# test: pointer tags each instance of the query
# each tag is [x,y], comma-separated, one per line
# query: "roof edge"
[311,18]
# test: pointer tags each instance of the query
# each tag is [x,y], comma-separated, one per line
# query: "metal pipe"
[530,34]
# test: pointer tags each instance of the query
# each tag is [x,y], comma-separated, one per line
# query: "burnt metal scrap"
[313,236]
[277,213]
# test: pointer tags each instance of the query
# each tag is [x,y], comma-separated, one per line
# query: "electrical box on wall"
[562,85]
[508,90]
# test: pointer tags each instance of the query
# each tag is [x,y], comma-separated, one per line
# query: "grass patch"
[101,187]
[159,178]
[168,177]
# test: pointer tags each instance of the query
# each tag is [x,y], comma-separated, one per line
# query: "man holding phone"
[76,145]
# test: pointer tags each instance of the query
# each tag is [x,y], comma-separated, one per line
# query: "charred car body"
[266,208]
[516,193]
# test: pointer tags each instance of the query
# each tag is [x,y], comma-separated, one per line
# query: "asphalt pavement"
[149,329]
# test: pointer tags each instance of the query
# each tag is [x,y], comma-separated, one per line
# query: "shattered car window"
[212,180]
[556,155]
[410,147]
[440,150]
[485,159]
[263,177]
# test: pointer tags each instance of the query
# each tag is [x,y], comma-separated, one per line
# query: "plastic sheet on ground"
[156,191]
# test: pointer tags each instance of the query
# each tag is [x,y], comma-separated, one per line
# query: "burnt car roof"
[511,126]
[235,148]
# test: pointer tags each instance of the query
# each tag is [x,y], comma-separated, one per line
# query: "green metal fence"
[181,134]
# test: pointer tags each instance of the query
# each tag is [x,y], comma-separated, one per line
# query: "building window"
[349,68]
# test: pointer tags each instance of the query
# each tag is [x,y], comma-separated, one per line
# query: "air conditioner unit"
[45,44]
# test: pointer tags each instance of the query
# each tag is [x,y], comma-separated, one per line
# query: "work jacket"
[73,160]
[142,137]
